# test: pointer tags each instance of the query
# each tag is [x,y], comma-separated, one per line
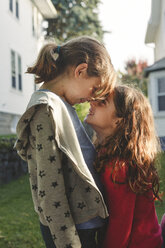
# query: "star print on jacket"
[26,120]
[39,147]
[54,184]
[52,159]
[48,218]
[68,246]
[42,193]
[67,214]
[88,189]
[40,209]
[50,138]
[34,187]
[63,228]
[57,204]
[54,237]
[42,173]
[97,200]
[39,127]
[29,157]
[81,205]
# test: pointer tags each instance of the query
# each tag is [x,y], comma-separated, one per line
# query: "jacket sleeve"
[52,200]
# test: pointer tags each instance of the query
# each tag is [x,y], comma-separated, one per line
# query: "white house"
[156,84]
[21,28]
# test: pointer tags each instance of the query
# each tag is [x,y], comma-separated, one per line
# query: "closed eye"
[99,102]
[94,89]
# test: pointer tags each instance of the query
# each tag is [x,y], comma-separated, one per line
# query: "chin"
[88,120]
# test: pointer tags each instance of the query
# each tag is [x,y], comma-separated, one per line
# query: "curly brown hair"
[134,141]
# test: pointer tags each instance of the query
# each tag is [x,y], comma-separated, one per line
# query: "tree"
[134,74]
[74,18]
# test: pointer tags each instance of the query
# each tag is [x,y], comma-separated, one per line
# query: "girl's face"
[82,90]
[80,86]
[102,117]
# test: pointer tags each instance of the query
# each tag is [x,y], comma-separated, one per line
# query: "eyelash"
[101,102]
[94,90]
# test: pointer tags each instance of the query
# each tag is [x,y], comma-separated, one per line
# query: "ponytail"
[45,68]
[54,60]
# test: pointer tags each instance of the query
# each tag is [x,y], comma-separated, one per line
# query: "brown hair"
[72,53]
[134,142]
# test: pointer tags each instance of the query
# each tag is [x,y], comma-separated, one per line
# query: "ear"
[81,70]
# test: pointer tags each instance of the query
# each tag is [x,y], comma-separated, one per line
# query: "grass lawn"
[19,227]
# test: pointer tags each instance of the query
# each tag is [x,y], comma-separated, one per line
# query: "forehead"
[103,91]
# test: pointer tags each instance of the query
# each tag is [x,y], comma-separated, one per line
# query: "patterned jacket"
[64,194]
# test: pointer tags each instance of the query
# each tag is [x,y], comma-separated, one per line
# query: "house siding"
[158,38]
[159,51]
[17,35]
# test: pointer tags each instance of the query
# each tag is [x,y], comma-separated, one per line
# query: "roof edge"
[46,8]
[159,65]
[153,21]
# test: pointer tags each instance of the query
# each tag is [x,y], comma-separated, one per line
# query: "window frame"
[17,9]
[11,5]
[160,94]
[155,92]
[13,68]
[16,71]
[19,73]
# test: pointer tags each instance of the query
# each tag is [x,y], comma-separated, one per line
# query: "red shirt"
[133,221]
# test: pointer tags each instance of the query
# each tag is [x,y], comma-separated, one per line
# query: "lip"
[82,100]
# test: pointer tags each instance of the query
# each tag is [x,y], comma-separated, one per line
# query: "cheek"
[102,118]
[88,88]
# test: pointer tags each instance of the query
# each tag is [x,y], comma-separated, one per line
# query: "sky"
[127,21]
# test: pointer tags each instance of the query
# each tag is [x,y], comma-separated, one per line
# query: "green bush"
[7,141]
[82,110]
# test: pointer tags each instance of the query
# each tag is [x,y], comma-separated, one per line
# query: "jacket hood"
[64,129]
[23,133]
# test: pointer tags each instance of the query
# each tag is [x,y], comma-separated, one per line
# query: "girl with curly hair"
[127,148]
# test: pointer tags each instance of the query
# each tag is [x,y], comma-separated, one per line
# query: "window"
[17,9]
[34,22]
[161,94]
[19,73]
[13,69]
[11,5]
[163,32]
[16,71]
[33,26]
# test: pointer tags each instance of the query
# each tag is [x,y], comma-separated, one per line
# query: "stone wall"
[8,123]
[11,165]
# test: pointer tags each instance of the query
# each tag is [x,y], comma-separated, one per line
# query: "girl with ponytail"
[66,190]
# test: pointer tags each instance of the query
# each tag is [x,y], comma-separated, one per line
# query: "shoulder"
[43,97]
